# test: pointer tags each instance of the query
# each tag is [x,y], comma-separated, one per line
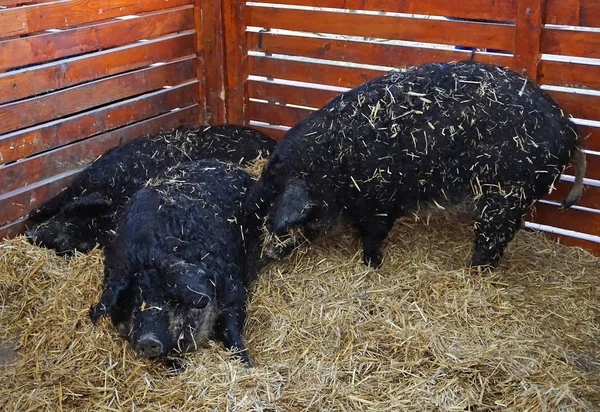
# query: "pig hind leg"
[374,230]
[229,331]
[499,218]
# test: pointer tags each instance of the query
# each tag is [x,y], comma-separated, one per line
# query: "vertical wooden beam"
[200,91]
[528,34]
[236,67]
[211,59]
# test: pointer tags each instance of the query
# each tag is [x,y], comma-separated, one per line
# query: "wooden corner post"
[236,68]
[528,35]
[211,61]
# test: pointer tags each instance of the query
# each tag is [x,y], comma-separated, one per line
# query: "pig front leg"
[229,331]
[374,230]
[499,218]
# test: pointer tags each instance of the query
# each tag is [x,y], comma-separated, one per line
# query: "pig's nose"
[30,234]
[149,346]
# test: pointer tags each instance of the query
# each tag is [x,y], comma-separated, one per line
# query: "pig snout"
[149,346]
[31,235]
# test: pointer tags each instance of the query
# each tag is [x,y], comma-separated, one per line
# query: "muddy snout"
[31,235]
[149,346]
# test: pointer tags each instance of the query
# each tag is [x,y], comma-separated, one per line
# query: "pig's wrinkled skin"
[86,212]
[433,135]
[183,257]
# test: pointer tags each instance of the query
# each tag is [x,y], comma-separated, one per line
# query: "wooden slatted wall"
[300,53]
[79,77]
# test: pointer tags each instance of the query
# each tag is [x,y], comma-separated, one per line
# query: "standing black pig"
[183,257]
[86,212]
[437,134]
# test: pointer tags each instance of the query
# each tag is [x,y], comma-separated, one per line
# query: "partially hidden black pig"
[183,257]
[435,134]
[86,212]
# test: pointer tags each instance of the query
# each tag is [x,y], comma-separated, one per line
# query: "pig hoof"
[483,264]
[242,356]
[373,260]
[96,312]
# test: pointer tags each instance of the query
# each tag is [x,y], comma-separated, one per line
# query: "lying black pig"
[86,212]
[183,257]
[435,134]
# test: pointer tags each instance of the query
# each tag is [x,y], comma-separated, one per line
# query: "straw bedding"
[327,333]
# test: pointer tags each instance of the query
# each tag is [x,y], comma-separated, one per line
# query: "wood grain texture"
[24,143]
[591,137]
[362,52]
[53,162]
[276,134]
[310,72]
[528,37]
[49,46]
[590,197]
[14,229]
[18,203]
[275,114]
[25,113]
[62,14]
[235,61]
[569,74]
[286,94]
[16,85]
[583,106]
[211,55]
[495,36]
[479,9]
[573,12]
[570,219]
[571,42]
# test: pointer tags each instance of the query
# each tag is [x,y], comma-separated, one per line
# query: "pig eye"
[192,296]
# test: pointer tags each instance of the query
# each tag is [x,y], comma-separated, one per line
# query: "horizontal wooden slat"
[15,228]
[24,113]
[49,46]
[569,74]
[310,72]
[583,106]
[495,36]
[20,3]
[587,245]
[23,83]
[276,134]
[40,109]
[361,52]
[593,167]
[60,160]
[17,203]
[590,197]
[573,12]
[61,14]
[480,9]
[570,219]
[186,115]
[571,42]
[591,136]
[281,93]
[27,142]
[276,115]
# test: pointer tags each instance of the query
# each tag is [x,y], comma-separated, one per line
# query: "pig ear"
[93,202]
[292,208]
[113,287]
[189,285]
